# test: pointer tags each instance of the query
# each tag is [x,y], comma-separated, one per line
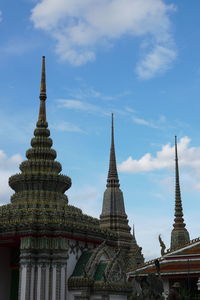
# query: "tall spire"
[178,202]
[43,96]
[134,239]
[179,235]
[112,180]
[40,182]
[113,214]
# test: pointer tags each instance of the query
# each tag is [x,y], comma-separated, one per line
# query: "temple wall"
[74,255]
[5,274]
[46,264]
[43,268]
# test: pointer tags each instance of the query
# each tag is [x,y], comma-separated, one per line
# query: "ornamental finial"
[112,180]
[43,96]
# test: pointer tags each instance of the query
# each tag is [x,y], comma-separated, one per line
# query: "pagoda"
[113,216]
[179,234]
[50,250]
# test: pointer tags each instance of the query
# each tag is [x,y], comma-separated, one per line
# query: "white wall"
[5,273]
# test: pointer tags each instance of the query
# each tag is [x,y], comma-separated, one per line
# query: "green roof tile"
[81,264]
[100,271]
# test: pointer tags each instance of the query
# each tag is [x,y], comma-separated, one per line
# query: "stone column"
[43,268]
[23,282]
[26,275]
[32,282]
[47,281]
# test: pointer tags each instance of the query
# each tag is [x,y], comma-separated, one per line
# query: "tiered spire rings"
[40,183]
[179,235]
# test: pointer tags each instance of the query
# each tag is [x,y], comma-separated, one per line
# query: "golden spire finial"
[43,96]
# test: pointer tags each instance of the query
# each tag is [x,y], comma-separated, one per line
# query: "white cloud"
[69,127]
[89,108]
[8,167]
[188,157]
[130,110]
[76,104]
[142,122]
[157,61]
[80,26]
[153,124]
[86,92]
[86,107]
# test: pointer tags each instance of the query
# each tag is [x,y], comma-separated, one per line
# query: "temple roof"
[103,269]
[174,263]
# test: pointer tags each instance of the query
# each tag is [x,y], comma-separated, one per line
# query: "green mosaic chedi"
[39,181]
[39,204]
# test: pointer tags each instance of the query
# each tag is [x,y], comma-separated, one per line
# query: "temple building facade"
[50,250]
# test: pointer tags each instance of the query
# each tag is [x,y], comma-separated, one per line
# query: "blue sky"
[139,59]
